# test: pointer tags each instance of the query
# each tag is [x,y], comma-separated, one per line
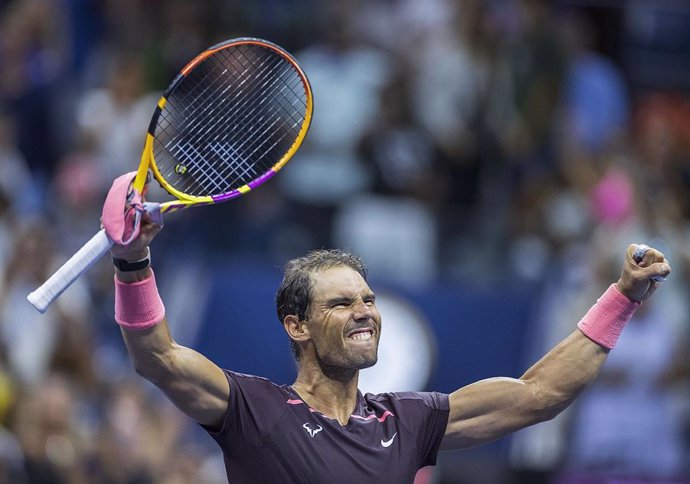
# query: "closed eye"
[339,303]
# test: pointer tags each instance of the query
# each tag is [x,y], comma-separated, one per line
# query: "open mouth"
[364,334]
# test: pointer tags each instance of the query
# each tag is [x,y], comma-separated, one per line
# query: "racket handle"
[78,264]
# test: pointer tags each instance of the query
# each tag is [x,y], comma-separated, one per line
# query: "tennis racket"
[228,122]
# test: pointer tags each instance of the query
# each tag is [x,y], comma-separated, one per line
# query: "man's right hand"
[137,249]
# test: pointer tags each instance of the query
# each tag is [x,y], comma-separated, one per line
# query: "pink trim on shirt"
[381,419]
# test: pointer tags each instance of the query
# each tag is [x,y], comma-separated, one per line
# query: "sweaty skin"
[340,336]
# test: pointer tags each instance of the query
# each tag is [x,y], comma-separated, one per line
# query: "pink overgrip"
[122,210]
[138,305]
[604,322]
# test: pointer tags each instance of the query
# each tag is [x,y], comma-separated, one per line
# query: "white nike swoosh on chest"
[387,443]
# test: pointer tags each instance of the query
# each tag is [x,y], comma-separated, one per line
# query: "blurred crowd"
[452,140]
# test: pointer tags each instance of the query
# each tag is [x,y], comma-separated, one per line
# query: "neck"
[330,391]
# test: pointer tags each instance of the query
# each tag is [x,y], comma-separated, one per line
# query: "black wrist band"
[127,266]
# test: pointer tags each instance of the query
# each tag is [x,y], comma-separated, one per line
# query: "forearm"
[561,375]
[495,407]
[150,345]
[192,382]
[489,409]
[568,368]
[151,351]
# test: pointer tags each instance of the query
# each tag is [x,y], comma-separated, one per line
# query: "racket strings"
[230,120]
[214,103]
[235,154]
[245,167]
[202,116]
[254,146]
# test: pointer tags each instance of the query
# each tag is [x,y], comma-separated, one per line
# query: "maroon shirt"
[269,435]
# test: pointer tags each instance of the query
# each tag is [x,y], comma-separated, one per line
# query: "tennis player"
[321,428]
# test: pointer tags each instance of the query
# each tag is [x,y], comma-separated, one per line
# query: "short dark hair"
[294,294]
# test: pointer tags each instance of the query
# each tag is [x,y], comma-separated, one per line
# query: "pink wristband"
[604,322]
[138,305]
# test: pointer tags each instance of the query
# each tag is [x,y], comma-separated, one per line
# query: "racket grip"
[70,271]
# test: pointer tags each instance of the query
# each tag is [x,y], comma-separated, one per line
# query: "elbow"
[550,411]
[546,404]
[143,370]
[154,368]
[147,371]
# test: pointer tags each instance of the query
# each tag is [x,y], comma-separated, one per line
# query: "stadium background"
[490,160]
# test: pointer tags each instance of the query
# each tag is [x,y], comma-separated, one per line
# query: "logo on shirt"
[387,443]
[312,432]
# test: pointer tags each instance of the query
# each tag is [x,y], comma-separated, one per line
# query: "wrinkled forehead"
[337,281]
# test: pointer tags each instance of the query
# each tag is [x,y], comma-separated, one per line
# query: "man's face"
[344,323]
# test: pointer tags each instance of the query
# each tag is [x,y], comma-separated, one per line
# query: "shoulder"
[422,415]
[407,406]
[255,394]
[431,400]
[246,383]
[254,401]
[245,377]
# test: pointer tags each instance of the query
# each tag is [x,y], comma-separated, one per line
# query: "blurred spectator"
[480,140]
[401,153]
[538,66]
[629,424]
[347,77]
[402,26]
[33,54]
[403,250]
[464,97]
[595,101]
[12,467]
[662,137]
[46,427]
[402,157]
[145,439]
[19,195]
[550,246]
[33,339]
[114,118]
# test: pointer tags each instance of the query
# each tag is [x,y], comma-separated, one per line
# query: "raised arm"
[192,382]
[489,409]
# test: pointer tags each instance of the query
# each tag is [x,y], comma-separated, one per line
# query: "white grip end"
[78,264]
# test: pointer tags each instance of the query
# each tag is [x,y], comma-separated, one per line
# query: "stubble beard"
[347,361]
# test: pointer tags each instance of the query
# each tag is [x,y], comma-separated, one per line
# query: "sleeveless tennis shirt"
[269,435]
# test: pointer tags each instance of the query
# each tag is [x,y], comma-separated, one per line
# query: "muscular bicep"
[192,382]
[487,410]
[492,408]
[197,387]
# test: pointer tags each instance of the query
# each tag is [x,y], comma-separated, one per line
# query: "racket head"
[229,121]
